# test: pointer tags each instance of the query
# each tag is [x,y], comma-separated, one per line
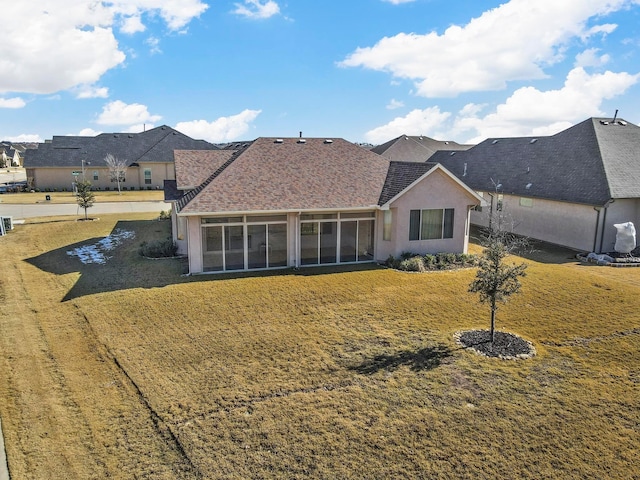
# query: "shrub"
[165,215]
[413,264]
[158,248]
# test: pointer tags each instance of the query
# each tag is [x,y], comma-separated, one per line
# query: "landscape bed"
[127,369]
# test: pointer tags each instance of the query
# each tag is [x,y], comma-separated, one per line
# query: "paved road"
[49,210]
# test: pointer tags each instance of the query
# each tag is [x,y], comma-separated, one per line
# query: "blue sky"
[363,70]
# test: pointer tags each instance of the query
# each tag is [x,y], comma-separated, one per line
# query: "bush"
[158,248]
[410,262]
[165,215]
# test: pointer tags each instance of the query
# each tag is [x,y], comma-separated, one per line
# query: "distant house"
[11,154]
[58,163]
[297,202]
[407,148]
[568,189]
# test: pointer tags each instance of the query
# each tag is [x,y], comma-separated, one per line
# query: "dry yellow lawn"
[130,370]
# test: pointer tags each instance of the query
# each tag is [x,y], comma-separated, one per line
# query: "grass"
[130,370]
[69,197]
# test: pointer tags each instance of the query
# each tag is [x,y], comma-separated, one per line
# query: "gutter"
[604,222]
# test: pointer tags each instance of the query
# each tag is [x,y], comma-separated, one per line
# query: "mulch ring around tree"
[506,346]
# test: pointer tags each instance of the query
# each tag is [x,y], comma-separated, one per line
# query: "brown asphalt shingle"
[194,166]
[272,176]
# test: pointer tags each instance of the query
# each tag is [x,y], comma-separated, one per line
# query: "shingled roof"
[155,145]
[290,174]
[406,148]
[400,176]
[589,163]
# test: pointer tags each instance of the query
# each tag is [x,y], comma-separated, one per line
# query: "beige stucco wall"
[437,190]
[61,178]
[572,225]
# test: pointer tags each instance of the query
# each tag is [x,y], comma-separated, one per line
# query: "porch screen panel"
[234,247]
[257,246]
[431,224]
[328,242]
[365,240]
[212,249]
[309,237]
[278,245]
[348,241]
[448,223]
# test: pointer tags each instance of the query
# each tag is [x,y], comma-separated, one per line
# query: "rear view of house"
[293,202]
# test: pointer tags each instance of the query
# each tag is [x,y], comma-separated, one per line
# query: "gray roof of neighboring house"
[589,163]
[156,145]
[291,174]
[400,176]
[406,148]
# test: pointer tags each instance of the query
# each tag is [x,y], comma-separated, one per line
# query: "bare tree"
[117,169]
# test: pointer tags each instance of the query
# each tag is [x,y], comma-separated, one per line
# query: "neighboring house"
[58,163]
[568,189]
[11,154]
[406,148]
[296,202]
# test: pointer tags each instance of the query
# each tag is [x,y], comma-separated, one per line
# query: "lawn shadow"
[426,358]
[113,263]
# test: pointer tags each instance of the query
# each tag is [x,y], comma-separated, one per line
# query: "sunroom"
[291,239]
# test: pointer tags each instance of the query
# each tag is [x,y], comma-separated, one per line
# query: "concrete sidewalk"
[57,209]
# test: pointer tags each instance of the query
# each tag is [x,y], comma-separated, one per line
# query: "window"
[432,224]
[147,176]
[386,225]
[526,202]
[95,175]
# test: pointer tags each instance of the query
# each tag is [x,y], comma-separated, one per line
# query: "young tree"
[117,169]
[85,197]
[496,280]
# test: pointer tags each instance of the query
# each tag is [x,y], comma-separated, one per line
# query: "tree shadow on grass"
[426,358]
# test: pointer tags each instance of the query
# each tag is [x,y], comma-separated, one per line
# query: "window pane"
[348,241]
[431,224]
[222,220]
[266,218]
[309,243]
[448,223]
[257,243]
[386,225]
[278,245]
[234,247]
[328,242]
[414,225]
[357,215]
[365,240]
[212,249]
[318,216]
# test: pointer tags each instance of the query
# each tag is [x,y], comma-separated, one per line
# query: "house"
[406,148]
[293,202]
[58,163]
[568,189]
[11,154]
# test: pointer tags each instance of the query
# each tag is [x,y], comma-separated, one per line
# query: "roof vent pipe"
[615,115]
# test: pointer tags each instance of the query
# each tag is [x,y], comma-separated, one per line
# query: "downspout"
[604,222]
[595,232]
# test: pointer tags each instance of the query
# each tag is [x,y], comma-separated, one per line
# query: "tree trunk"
[493,322]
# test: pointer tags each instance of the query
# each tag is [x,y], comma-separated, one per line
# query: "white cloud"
[529,111]
[65,43]
[393,104]
[24,138]
[417,122]
[590,58]
[514,41]
[257,9]
[141,127]
[224,129]
[15,102]
[91,91]
[88,132]
[154,45]
[120,113]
